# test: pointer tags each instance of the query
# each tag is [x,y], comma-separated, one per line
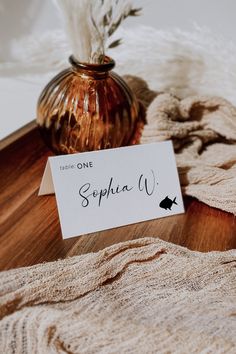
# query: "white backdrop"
[19,18]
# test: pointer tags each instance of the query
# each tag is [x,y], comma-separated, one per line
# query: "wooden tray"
[30,231]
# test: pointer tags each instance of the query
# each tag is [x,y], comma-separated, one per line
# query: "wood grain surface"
[29,225]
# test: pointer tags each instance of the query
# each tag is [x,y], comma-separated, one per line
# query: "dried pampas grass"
[188,63]
[90,23]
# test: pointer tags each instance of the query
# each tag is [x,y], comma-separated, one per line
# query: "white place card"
[104,189]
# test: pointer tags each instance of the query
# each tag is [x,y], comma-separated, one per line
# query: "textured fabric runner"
[203,131]
[142,296]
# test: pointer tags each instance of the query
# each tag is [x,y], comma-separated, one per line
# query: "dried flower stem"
[90,23]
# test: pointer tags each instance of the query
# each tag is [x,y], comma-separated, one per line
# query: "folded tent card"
[104,189]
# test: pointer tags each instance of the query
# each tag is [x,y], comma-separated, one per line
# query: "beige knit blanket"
[142,296]
[203,131]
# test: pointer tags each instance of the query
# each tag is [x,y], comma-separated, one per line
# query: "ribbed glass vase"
[88,107]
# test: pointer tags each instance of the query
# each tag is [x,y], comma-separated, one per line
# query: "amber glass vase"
[88,107]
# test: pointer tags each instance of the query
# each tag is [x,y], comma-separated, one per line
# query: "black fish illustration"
[167,203]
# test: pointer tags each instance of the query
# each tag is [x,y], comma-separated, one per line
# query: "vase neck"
[93,70]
